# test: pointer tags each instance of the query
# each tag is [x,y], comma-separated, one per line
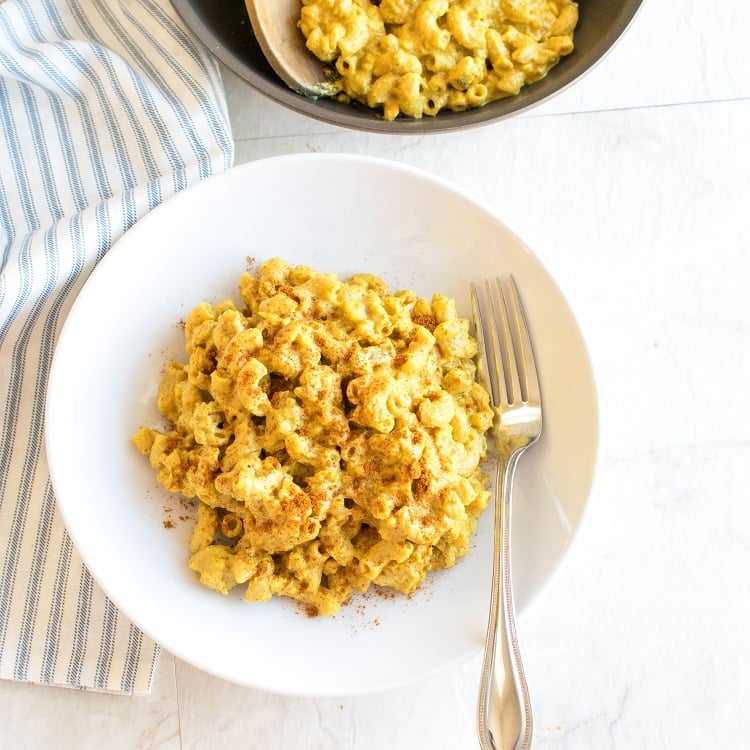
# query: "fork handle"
[504,719]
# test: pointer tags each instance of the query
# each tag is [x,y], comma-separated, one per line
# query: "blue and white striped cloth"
[107,107]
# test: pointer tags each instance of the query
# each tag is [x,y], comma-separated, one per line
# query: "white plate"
[335,213]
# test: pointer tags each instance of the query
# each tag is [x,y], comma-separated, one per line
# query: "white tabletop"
[633,188]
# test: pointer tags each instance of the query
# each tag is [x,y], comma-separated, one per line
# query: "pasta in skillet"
[417,57]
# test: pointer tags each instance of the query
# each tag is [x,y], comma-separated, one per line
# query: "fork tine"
[482,338]
[490,360]
[503,326]
[525,361]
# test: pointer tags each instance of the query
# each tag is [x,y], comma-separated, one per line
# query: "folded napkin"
[107,107]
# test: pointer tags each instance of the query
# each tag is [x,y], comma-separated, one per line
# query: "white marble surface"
[633,188]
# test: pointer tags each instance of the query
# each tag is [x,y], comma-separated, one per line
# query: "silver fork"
[504,719]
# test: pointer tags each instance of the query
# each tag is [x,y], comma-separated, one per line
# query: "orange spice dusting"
[420,485]
[177,508]
[426,321]
[385,593]
[289,292]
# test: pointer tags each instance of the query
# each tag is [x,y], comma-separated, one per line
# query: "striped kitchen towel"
[107,107]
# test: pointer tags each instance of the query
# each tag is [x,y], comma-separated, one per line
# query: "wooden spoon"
[274,24]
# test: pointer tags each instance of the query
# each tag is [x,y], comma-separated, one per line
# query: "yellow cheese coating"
[332,433]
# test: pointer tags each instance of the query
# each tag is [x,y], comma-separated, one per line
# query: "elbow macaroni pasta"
[416,57]
[331,432]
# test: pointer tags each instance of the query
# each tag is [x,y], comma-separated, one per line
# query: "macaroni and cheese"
[331,432]
[416,57]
